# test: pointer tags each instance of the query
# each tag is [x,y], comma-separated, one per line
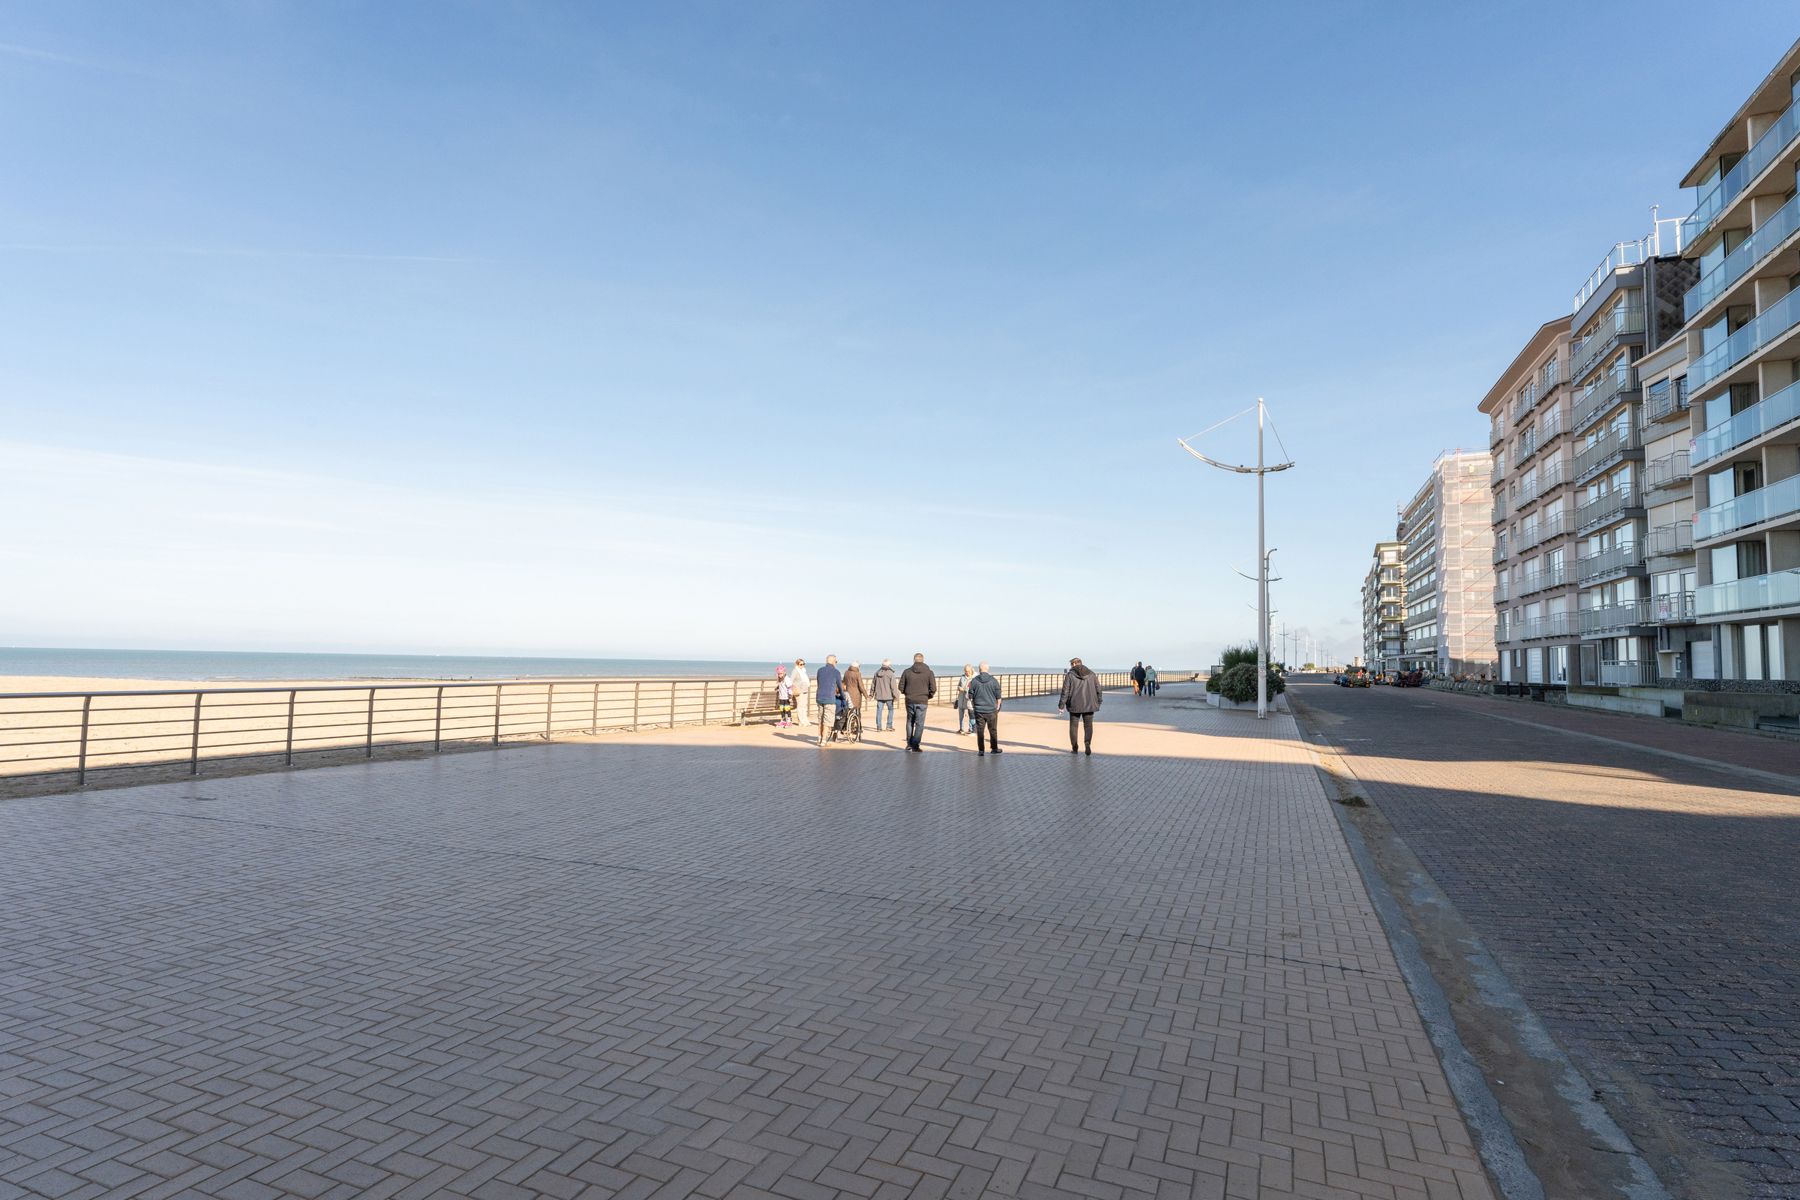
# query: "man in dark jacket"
[1138,679]
[984,700]
[917,686]
[1081,700]
[886,690]
[831,683]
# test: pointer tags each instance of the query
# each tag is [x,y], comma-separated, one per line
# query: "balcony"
[1672,608]
[1730,185]
[1500,550]
[1773,322]
[1777,589]
[1613,618]
[1603,397]
[1499,511]
[1528,444]
[1500,590]
[1770,413]
[1768,238]
[1496,433]
[1670,539]
[1671,470]
[1612,446]
[1555,575]
[1607,506]
[1500,628]
[1622,322]
[1549,625]
[1541,530]
[1665,398]
[1615,561]
[1627,672]
[1778,499]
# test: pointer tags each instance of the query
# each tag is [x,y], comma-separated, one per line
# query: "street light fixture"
[1262,556]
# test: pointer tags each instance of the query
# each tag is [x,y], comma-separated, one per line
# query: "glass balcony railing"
[1550,625]
[1601,398]
[1752,250]
[1770,324]
[1603,618]
[1730,185]
[1606,562]
[1606,506]
[1555,575]
[1778,499]
[1627,672]
[1609,448]
[1670,608]
[1536,532]
[1771,412]
[1622,321]
[1777,589]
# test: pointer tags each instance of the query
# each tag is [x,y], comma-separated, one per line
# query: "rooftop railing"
[1629,254]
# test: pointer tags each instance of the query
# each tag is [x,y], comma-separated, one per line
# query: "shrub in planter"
[1238,684]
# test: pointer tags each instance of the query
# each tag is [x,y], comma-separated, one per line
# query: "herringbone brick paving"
[1645,906]
[719,962]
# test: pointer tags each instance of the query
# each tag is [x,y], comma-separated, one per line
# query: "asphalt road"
[1648,908]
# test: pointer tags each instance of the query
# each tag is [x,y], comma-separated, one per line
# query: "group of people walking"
[833,701]
[1143,680]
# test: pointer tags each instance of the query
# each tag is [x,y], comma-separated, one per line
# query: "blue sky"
[746,330]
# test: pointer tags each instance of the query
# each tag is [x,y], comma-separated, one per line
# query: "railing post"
[369,742]
[288,754]
[673,684]
[706,702]
[87,707]
[498,688]
[594,717]
[637,696]
[437,725]
[549,708]
[194,747]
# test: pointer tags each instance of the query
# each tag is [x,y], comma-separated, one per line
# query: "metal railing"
[1609,448]
[1609,561]
[1665,398]
[1621,322]
[1630,254]
[1673,538]
[1606,505]
[1549,576]
[1602,618]
[1627,672]
[1603,397]
[1670,608]
[1670,470]
[79,734]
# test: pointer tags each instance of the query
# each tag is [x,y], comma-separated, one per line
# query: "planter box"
[1277,703]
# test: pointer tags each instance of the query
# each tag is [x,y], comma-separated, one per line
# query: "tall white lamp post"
[1262,557]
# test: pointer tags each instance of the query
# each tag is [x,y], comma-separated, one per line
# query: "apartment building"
[1683,648]
[1531,432]
[1629,304]
[1384,608]
[1743,383]
[1448,567]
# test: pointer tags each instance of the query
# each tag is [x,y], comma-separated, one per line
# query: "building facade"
[1384,608]
[1631,303]
[1743,384]
[1448,537]
[1533,499]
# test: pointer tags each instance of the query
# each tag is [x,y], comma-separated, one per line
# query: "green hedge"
[1238,683]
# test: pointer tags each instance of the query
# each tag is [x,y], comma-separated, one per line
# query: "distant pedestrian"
[886,689]
[802,697]
[918,686]
[1137,679]
[830,682]
[784,696]
[965,720]
[984,709]
[1081,700]
[1150,682]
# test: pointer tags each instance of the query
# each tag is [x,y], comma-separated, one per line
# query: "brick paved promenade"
[1645,906]
[719,962]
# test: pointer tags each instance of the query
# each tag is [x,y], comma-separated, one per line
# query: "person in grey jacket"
[984,707]
[885,687]
[1081,700]
[918,685]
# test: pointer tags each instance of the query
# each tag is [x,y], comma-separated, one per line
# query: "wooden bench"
[764,706]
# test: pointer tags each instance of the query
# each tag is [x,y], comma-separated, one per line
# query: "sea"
[238,665]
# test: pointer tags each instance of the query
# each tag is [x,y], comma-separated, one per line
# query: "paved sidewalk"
[720,962]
